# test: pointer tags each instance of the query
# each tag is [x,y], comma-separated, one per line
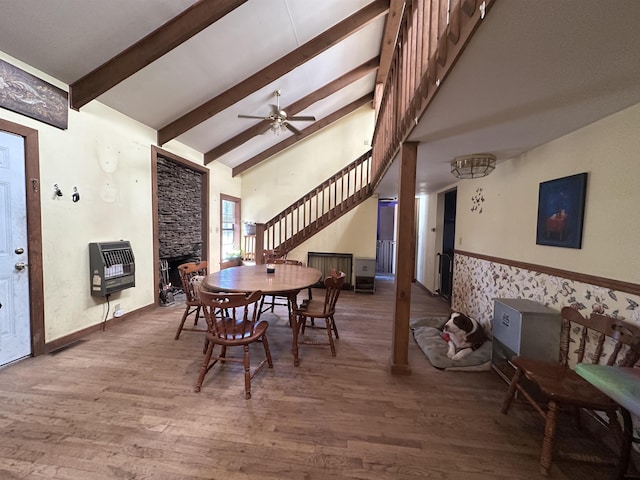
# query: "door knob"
[21,266]
[19,251]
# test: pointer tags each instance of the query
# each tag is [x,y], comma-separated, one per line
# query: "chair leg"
[335,329]
[184,318]
[267,352]
[247,373]
[260,308]
[506,403]
[195,320]
[331,344]
[549,437]
[205,367]
[301,321]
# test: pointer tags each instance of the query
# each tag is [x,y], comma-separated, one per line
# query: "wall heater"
[112,267]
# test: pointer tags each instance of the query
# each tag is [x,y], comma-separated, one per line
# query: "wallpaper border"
[618,285]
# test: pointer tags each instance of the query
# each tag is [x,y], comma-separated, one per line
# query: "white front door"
[15,331]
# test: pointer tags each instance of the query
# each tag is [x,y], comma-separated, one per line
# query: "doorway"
[445,266]
[386,237]
[21,282]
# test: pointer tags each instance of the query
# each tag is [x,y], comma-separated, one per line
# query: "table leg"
[293,320]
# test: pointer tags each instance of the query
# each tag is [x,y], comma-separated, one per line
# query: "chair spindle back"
[190,275]
[606,331]
[333,284]
[230,315]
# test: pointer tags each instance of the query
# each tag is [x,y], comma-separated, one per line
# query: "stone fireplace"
[180,232]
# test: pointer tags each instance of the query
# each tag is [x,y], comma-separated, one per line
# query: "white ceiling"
[69,38]
[534,70]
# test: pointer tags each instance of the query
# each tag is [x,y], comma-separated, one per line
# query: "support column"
[259,243]
[405,258]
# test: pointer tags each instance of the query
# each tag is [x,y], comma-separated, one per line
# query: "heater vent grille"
[112,267]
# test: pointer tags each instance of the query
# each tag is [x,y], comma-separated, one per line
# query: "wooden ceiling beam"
[286,143]
[271,73]
[389,37]
[142,53]
[293,109]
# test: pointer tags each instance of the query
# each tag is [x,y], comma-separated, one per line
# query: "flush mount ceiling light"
[476,165]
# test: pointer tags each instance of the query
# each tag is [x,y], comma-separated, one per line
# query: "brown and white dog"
[464,335]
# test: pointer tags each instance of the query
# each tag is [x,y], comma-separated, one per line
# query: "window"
[229,226]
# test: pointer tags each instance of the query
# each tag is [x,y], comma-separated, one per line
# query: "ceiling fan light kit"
[476,165]
[279,119]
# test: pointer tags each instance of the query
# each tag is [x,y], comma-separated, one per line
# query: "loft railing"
[431,37]
[318,208]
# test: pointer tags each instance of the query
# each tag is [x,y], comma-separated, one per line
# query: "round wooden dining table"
[285,280]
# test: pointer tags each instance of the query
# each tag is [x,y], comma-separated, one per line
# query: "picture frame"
[29,95]
[561,204]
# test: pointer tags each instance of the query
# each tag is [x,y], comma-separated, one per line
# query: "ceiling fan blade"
[292,128]
[303,118]
[252,116]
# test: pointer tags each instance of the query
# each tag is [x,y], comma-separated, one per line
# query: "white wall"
[607,150]
[279,181]
[108,157]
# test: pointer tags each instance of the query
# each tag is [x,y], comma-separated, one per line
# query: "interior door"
[15,330]
[448,244]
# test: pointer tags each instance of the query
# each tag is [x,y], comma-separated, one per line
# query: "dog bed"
[427,333]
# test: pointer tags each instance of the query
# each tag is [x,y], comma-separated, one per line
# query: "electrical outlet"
[116,307]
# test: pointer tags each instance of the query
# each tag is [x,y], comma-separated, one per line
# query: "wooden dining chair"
[191,274]
[318,309]
[277,299]
[556,387]
[231,321]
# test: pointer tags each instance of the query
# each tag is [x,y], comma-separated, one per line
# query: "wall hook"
[75,196]
[56,191]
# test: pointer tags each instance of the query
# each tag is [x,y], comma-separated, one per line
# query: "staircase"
[317,209]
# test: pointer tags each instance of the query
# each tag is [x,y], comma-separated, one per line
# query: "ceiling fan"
[279,119]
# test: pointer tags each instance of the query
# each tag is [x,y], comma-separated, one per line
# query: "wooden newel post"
[259,243]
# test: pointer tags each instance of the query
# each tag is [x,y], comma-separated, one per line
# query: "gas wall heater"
[112,267]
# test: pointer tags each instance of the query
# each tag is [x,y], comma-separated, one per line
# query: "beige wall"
[506,228]
[281,180]
[108,157]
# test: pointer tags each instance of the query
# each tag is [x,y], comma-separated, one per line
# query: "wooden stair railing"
[431,37]
[316,210]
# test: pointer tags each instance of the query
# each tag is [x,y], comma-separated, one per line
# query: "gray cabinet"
[526,328]
[365,273]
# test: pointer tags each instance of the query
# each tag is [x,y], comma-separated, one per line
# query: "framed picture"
[561,211]
[29,95]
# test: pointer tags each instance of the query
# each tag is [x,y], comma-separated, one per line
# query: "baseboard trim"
[68,340]
[422,287]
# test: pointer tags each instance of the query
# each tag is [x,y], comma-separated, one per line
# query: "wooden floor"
[120,405]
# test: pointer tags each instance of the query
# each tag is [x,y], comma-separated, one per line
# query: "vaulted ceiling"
[188,68]
[533,71]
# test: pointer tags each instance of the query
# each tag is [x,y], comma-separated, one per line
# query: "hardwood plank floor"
[120,405]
